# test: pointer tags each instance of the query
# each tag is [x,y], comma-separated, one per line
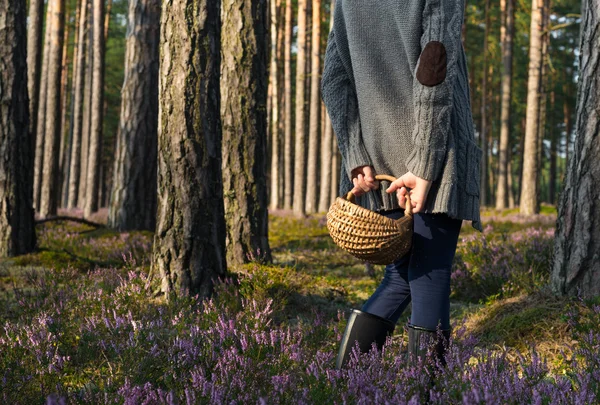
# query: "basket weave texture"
[367,235]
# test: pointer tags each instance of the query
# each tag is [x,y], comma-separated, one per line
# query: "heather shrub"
[504,264]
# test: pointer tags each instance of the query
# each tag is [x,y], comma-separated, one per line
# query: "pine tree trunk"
[543,101]
[335,169]
[281,97]
[300,129]
[553,155]
[509,180]
[77,118]
[34,59]
[133,196]
[577,244]
[189,243]
[529,204]
[50,186]
[41,115]
[315,111]
[326,166]
[17,232]
[64,133]
[95,142]
[274,122]
[243,116]
[567,122]
[87,111]
[502,195]
[288,153]
[483,193]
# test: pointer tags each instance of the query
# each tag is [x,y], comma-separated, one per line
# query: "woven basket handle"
[408,211]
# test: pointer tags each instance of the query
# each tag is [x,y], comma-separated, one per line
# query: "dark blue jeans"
[422,275]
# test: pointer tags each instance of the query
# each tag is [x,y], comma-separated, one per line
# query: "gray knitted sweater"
[396,89]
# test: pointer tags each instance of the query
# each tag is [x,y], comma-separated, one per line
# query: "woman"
[396,89]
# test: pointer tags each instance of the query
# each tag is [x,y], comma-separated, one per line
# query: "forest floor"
[81,322]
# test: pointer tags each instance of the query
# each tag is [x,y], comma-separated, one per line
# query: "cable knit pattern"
[384,117]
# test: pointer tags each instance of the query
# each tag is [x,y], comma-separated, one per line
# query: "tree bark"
[41,115]
[553,154]
[288,154]
[87,111]
[244,79]
[300,141]
[315,111]
[335,169]
[133,197]
[77,119]
[326,166]
[17,232]
[34,59]
[274,123]
[577,244]
[50,186]
[484,186]
[189,243]
[64,133]
[95,142]
[529,201]
[502,193]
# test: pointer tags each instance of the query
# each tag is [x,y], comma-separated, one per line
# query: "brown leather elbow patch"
[432,65]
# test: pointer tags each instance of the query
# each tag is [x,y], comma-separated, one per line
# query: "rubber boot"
[421,340]
[364,328]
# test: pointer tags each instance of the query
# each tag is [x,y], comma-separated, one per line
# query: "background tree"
[78,98]
[288,151]
[484,138]
[274,108]
[507,32]
[189,244]
[52,133]
[96,107]
[244,81]
[315,111]
[300,139]
[577,244]
[34,58]
[17,232]
[529,203]
[133,197]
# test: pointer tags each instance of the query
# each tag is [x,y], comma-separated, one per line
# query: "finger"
[369,175]
[401,200]
[357,191]
[362,184]
[396,184]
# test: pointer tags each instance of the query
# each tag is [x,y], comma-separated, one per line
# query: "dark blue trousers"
[421,276]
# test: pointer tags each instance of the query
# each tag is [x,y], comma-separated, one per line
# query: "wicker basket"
[367,235]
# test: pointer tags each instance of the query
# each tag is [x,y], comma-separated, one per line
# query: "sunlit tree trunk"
[483,193]
[553,154]
[95,142]
[34,58]
[77,119]
[577,244]
[529,201]
[300,129]
[274,109]
[507,30]
[315,111]
[133,196]
[17,232]
[64,133]
[41,115]
[288,153]
[50,186]
[244,81]
[87,111]
[189,243]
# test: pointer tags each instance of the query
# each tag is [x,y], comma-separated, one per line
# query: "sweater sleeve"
[433,83]
[339,95]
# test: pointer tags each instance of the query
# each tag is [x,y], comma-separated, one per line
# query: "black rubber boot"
[421,341]
[365,328]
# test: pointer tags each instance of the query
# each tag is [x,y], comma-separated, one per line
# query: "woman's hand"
[364,181]
[418,193]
